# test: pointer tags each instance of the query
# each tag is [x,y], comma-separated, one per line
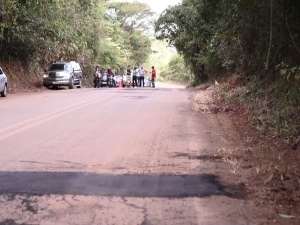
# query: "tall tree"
[133,20]
[49,30]
[245,36]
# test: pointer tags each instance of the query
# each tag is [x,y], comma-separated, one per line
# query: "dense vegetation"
[92,32]
[259,40]
[251,37]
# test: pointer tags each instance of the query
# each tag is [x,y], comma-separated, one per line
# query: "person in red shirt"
[153,73]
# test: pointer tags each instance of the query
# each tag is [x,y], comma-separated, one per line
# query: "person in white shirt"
[138,77]
[142,73]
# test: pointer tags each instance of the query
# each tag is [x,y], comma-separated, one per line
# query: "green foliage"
[132,16]
[170,66]
[250,37]
[132,19]
[8,9]
[52,30]
[161,54]
[258,39]
[176,71]
[188,27]
[92,32]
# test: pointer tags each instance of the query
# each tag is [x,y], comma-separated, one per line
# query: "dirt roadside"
[265,166]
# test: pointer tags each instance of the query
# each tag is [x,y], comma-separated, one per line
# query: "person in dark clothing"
[134,77]
[111,75]
[128,76]
[97,77]
[109,71]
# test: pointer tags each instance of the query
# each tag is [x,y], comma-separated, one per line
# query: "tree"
[129,23]
[68,32]
[188,27]
[244,36]
[131,16]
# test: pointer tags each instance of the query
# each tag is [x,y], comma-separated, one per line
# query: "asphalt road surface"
[111,156]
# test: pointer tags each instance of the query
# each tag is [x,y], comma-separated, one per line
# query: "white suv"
[3,83]
[63,74]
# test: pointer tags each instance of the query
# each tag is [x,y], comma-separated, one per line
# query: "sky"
[158,6]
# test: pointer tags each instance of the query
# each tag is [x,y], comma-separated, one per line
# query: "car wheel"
[4,92]
[71,84]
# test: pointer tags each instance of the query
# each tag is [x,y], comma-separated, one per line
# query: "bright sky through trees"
[158,6]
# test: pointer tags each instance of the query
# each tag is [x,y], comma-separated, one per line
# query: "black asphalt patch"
[125,185]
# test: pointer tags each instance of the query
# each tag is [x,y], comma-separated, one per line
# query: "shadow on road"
[12,222]
[126,185]
[198,157]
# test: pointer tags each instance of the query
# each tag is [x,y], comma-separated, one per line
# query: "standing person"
[110,72]
[142,73]
[111,79]
[134,77]
[138,77]
[97,76]
[128,76]
[153,73]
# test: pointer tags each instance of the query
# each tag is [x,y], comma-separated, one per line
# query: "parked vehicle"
[118,79]
[3,83]
[63,74]
[127,80]
[110,81]
[103,80]
[147,81]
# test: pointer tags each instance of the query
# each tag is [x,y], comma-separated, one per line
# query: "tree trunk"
[271,35]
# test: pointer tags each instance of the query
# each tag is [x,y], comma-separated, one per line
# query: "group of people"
[98,75]
[135,76]
[138,76]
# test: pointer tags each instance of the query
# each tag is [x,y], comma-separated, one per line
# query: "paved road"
[110,156]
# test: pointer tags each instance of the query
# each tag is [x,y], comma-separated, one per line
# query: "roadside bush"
[275,105]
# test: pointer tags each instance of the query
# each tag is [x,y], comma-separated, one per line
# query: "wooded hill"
[34,33]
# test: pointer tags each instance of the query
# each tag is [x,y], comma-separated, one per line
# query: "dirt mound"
[22,78]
